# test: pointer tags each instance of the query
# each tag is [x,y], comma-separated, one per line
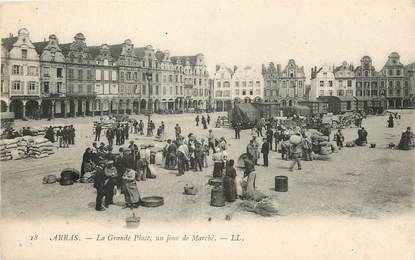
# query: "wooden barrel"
[281,183]
[217,198]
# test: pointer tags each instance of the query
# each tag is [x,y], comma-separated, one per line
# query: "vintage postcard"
[228,129]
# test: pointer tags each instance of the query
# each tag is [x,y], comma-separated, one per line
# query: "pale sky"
[232,32]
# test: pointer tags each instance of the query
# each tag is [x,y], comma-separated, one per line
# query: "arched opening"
[88,109]
[170,104]
[4,106]
[71,108]
[136,105]
[247,100]
[156,106]
[143,105]
[32,109]
[46,108]
[16,106]
[80,110]
[290,103]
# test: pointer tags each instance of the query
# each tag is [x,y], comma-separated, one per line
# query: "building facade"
[237,84]
[50,79]
[287,85]
[344,80]
[396,79]
[222,90]
[322,82]
[390,85]
[247,85]
[410,70]
[21,67]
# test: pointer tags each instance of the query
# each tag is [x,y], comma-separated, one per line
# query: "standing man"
[208,119]
[211,141]
[126,131]
[339,137]
[110,136]
[141,127]
[197,120]
[98,129]
[204,122]
[59,135]
[178,131]
[259,128]
[265,151]
[270,135]
[237,130]
[72,134]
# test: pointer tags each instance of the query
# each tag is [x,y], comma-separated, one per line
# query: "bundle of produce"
[264,207]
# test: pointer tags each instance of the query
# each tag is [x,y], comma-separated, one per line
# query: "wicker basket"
[153,201]
[132,222]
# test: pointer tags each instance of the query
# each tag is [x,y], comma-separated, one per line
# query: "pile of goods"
[40,147]
[264,207]
[24,147]
[6,148]
[38,132]
[322,148]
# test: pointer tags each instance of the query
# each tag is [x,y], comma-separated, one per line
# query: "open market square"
[358,182]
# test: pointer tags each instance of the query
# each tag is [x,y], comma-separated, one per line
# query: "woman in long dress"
[131,194]
[229,184]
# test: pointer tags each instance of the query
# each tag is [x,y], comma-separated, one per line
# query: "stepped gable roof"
[8,42]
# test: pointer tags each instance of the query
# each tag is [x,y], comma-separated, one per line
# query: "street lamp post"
[149,77]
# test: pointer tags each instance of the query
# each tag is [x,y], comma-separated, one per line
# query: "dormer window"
[24,54]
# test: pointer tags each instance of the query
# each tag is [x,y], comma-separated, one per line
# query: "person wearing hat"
[265,151]
[111,177]
[181,159]
[211,141]
[99,184]
[131,194]
[406,142]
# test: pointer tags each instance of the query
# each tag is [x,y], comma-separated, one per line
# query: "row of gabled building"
[391,87]
[52,79]
[246,84]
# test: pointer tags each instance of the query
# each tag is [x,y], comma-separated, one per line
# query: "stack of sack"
[40,147]
[6,147]
[12,149]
